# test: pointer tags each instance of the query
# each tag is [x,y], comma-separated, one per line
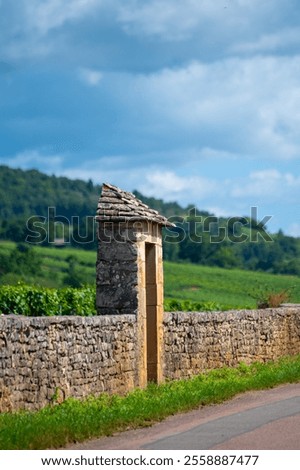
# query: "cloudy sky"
[195,101]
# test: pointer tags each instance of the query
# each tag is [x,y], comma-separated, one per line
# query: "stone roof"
[116,205]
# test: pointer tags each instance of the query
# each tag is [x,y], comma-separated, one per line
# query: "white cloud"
[49,14]
[107,169]
[265,175]
[177,21]
[275,176]
[252,106]
[169,185]
[157,18]
[269,42]
[269,185]
[31,26]
[35,158]
[39,28]
[150,180]
[90,77]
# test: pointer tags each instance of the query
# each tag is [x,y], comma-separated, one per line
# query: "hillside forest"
[41,210]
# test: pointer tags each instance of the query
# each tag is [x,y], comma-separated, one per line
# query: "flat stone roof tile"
[117,205]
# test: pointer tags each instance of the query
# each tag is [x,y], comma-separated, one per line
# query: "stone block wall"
[195,342]
[65,356]
[117,270]
[80,356]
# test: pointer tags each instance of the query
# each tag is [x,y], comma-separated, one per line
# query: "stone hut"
[130,272]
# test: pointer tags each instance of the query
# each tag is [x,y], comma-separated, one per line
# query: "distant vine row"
[35,301]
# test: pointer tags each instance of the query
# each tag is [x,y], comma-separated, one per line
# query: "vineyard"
[55,281]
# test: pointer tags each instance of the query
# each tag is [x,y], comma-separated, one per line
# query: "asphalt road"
[262,420]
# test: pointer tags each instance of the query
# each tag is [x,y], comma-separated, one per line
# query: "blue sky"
[196,101]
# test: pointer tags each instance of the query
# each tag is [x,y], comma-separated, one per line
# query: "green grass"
[228,288]
[56,426]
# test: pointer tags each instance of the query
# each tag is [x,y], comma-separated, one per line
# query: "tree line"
[28,197]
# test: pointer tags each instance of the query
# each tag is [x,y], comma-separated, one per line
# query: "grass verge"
[74,420]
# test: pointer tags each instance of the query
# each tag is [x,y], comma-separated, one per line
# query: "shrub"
[173,305]
[78,301]
[270,299]
[13,300]
[42,301]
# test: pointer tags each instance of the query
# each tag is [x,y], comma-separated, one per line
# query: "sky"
[194,101]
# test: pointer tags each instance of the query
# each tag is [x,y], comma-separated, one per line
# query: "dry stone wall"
[43,358]
[195,342]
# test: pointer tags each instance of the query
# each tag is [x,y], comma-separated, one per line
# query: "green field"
[54,264]
[230,288]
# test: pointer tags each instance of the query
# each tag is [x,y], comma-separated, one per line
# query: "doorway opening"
[151,313]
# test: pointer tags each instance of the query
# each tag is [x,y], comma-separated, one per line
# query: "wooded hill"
[26,196]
